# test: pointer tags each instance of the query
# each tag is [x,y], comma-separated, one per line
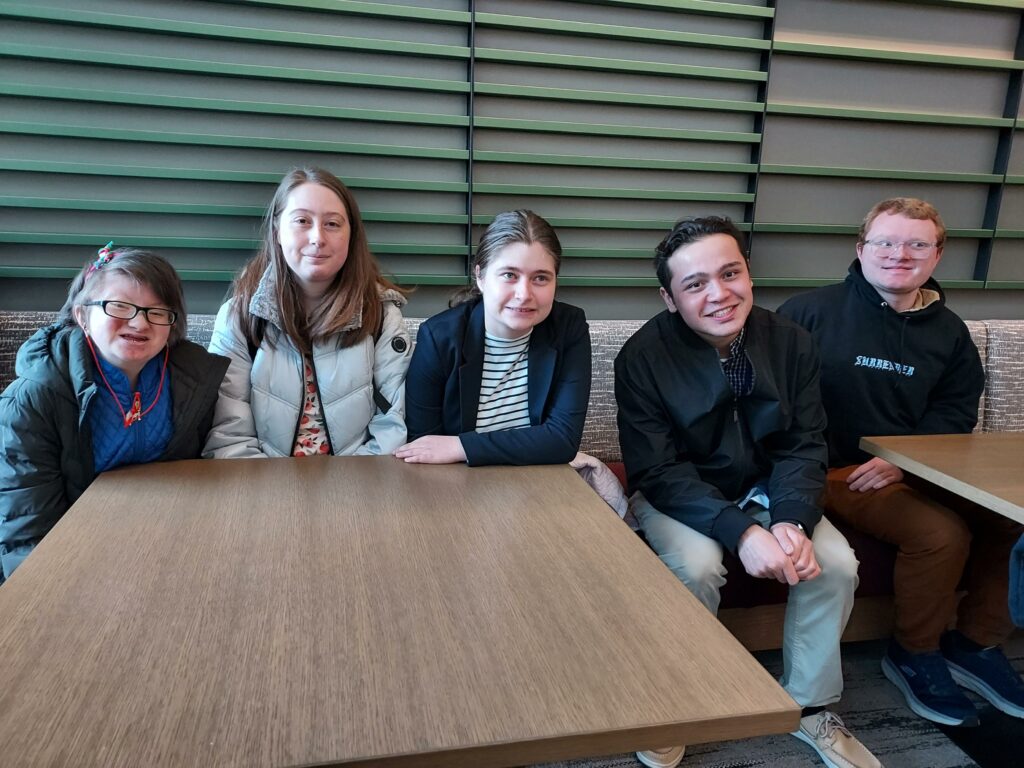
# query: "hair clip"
[103,256]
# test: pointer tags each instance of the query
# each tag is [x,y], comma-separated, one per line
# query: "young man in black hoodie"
[721,426]
[896,361]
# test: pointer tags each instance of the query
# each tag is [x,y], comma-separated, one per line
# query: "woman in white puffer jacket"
[315,335]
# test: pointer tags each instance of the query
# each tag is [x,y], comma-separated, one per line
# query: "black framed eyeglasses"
[123,310]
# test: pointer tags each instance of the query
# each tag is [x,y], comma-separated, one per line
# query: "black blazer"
[443,386]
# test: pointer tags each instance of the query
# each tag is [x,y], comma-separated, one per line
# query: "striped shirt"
[503,400]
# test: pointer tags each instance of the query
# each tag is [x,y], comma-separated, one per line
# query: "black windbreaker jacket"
[885,372]
[692,448]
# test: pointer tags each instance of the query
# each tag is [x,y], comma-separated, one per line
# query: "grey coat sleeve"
[233,433]
[32,489]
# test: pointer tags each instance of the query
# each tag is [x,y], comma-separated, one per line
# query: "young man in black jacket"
[721,426]
[896,361]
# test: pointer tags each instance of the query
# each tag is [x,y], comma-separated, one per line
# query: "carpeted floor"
[876,713]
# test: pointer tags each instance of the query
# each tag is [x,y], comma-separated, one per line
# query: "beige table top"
[329,611]
[985,467]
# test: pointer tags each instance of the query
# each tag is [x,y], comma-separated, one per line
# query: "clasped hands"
[785,553]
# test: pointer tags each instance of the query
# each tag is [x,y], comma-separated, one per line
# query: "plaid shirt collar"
[737,367]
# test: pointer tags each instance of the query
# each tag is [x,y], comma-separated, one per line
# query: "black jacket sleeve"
[425,386]
[32,491]
[953,402]
[654,466]
[557,439]
[799,454]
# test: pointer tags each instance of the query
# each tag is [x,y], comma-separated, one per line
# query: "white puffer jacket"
[260,401]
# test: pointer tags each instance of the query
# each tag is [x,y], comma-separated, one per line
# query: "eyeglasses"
[122,310]
[916,249]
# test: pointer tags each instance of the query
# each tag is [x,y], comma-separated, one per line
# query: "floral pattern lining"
[311,437]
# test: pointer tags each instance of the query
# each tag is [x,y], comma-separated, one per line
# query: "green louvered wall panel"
[168,124]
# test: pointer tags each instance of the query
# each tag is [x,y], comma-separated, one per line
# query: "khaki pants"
[944,542]
[816,611]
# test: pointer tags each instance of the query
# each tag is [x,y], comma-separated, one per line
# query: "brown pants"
[944,542]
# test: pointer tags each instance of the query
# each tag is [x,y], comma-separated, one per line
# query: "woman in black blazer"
[503,377]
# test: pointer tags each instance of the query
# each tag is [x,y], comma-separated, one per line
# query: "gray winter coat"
[261,397]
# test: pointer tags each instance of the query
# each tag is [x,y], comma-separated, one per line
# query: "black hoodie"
[885,372]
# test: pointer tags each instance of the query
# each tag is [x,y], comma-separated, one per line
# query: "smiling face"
[897,277]
[711,289]
[518,288]
[313,231]
[126,344]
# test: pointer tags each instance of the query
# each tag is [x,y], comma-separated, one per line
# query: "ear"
[478,276]
[667,298]
[78,312]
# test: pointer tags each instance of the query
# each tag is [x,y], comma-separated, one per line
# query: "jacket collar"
[542,358]
[196,376]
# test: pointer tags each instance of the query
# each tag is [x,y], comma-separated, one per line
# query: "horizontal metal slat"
[227,69]
[616,32]
[226,105]
[599,64]
[215,140]
[224,32]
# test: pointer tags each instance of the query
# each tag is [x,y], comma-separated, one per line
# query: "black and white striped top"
[503,400]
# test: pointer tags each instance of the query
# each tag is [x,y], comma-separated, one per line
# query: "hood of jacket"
[57,357]
[867,292]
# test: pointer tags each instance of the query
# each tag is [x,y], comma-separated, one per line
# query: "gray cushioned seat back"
[1004,385]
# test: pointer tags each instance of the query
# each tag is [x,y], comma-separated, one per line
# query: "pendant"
[135,413]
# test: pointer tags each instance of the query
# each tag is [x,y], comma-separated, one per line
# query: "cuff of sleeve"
[472,446]
[794,512]
[730,525]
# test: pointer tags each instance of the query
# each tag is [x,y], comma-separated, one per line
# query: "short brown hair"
[692,230]
[908,207]
[509,228]
[353,290]
[144,268]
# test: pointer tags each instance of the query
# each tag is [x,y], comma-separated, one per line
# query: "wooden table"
[984,467]
[359,611]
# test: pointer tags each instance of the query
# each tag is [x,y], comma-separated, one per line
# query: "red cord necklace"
[135,413]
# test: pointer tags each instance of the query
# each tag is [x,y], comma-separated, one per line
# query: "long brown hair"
[508,228]
[353,290]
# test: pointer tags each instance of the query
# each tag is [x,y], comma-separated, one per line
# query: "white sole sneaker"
[669,757]
[965,679]
[919,709]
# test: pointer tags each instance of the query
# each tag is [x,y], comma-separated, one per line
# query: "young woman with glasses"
[114,381]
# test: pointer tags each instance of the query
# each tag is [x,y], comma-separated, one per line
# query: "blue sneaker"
[927,685]
[986,671]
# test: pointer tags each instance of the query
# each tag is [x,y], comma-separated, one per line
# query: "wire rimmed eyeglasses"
[916,249]
[124,310]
